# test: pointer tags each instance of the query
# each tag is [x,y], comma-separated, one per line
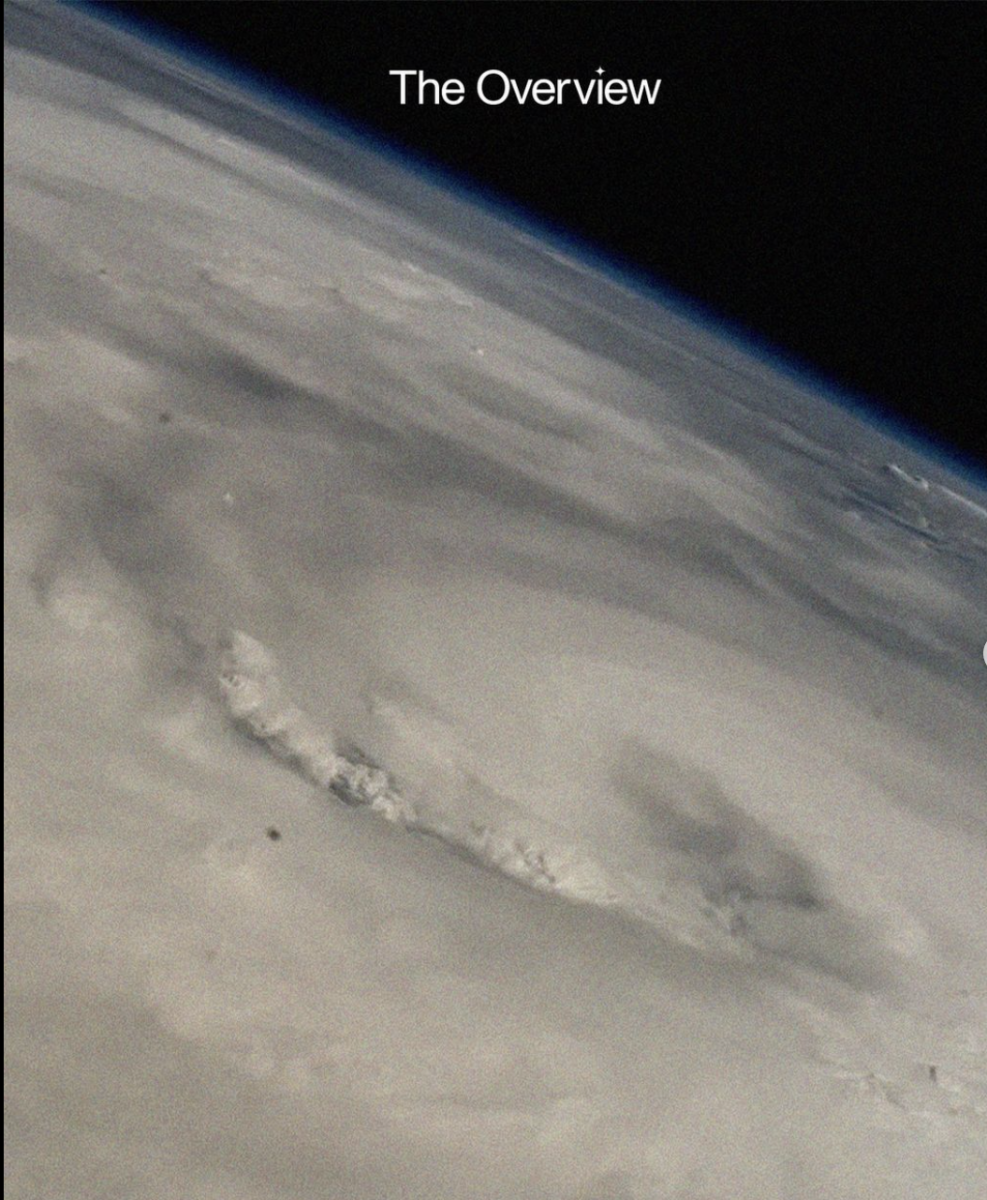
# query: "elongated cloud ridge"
[257,701]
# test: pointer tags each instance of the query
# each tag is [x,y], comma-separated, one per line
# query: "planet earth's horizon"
[473,730]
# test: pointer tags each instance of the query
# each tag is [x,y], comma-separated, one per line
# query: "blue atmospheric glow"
[269,93]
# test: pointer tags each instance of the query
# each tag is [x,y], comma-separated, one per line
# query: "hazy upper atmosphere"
[471,733]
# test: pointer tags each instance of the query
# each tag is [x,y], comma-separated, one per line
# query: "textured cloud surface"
[578,597]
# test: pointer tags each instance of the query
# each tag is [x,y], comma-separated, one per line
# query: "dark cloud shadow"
[774,898]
